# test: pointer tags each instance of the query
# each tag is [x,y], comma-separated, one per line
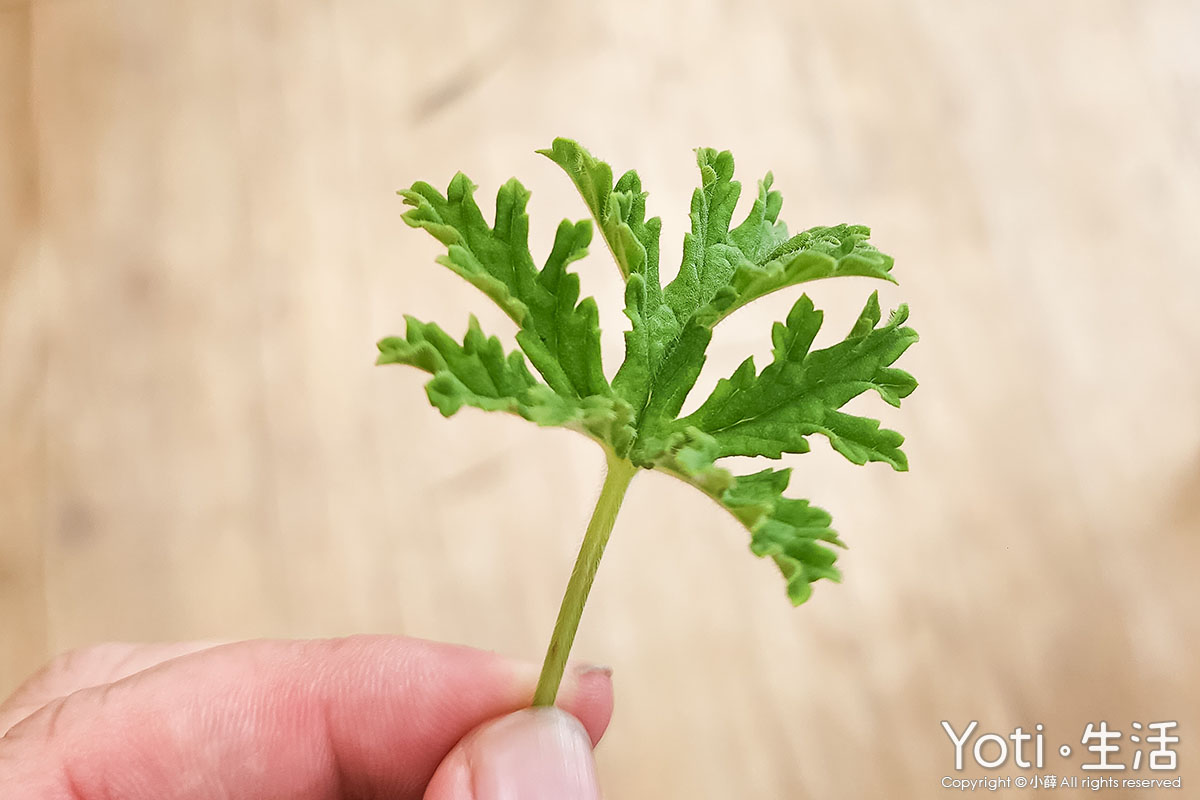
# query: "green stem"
[616,481]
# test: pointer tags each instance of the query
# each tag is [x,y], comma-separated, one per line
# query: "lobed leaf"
[560,334]
[799,394]
[478,373]
[724,267]
[793,533]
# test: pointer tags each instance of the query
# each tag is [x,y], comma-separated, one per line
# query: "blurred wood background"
[199,245]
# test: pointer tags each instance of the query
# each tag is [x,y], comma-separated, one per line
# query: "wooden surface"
[199,244]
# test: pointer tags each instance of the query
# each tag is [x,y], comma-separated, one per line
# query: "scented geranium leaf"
[560,334]
[620,213]
[709,255]
[800,392]
[724,269]
[478,373]
[761,233]
[677,340]
[725,266]
[826,252]
[792,532]
[565,334]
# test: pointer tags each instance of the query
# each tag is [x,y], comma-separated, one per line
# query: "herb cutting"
[634,416]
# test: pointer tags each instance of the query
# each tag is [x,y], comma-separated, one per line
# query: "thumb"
[534,754]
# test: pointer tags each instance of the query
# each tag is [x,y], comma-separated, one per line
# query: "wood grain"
[199,244]
[23,594]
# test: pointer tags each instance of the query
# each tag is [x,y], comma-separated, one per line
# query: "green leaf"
[478,373]
[560,334]
[793,533]
[710,255]
[724,267]
[826,252]
[799,394]
[620,213]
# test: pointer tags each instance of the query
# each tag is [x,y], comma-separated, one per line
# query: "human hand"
[363,717]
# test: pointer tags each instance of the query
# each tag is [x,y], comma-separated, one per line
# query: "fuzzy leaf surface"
[478,373]
[800,392]
[725,267]
[559,333]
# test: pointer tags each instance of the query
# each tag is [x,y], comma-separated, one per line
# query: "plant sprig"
[635,417]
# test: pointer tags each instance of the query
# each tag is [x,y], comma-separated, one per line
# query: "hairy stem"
[616,481]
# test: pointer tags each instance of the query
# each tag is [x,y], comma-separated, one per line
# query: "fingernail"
[535,754]
[583,670]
